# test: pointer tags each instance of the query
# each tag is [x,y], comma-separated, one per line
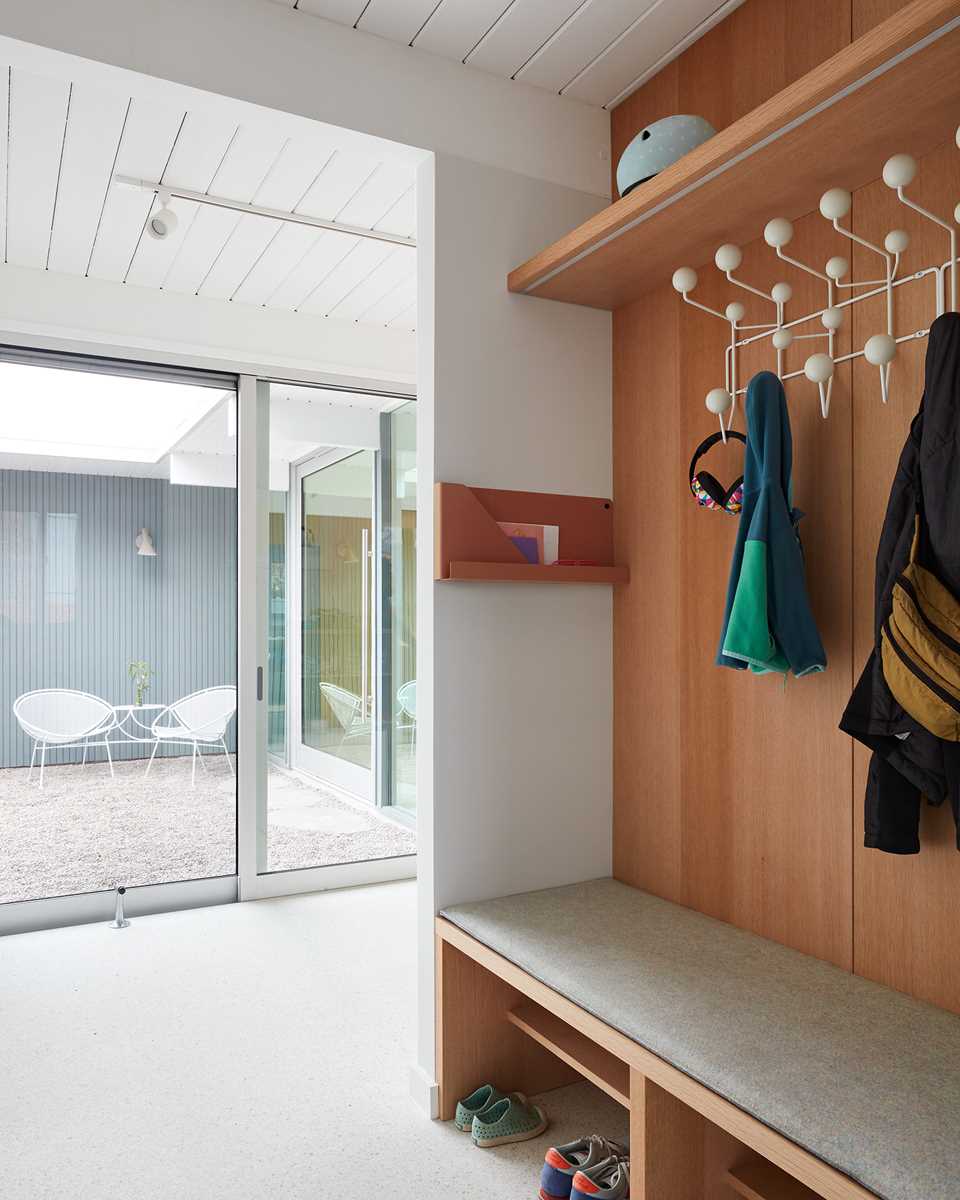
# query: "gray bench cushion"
[863,1077]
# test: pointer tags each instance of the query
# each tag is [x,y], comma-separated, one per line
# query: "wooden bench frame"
[496,1022]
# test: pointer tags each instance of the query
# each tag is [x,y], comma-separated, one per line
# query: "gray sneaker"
[609,1180]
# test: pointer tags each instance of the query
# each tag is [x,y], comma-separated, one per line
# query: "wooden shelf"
[601,1067]
[526,573]
[896,89]
[764,1181]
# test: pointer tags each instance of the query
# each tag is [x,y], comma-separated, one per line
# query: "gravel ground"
[85,831]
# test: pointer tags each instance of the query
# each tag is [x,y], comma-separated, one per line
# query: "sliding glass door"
[207,638]
[118,600]
[337,620]
[323,809]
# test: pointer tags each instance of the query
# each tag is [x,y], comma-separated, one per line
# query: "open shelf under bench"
[602,1068]
[762,1181]
[895,89]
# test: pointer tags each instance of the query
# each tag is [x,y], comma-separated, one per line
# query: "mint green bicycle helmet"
[657,146]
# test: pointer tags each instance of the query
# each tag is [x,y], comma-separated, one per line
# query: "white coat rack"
[879,350]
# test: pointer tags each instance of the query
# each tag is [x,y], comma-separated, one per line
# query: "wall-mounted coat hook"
[718,400]
[879,350]
[898,173]
[819,370]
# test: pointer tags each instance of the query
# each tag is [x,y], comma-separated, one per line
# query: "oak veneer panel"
[786,175]
[763,1181]
[666,1142]
[777,40]
[650,456]
[866,14]
[905,906]
[732,792]
[475,1041]
[591,1061]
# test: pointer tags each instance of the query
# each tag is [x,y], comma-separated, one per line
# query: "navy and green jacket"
[768,624]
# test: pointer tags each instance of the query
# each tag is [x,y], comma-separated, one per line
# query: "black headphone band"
[708,443]
[708,482]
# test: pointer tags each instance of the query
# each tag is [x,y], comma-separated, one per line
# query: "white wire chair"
[200,719]
[63,719]
[347,708]
[407,699]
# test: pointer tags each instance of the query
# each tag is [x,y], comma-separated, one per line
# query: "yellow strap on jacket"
[920,649]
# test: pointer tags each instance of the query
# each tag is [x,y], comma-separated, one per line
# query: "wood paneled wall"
[738,795]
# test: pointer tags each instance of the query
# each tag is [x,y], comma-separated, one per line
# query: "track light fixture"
[164,221]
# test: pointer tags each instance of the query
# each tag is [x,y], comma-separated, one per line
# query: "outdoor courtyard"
[86,830]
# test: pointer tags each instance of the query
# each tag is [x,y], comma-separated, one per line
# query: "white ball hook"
[782,339]
[835,204]
[778,232]
[718,401]
[781,292]
[832,318]
[896,241]
[819,370]
[684,280]
[837,267]
[734,311]
[728,257]
[899,171]
[880,351]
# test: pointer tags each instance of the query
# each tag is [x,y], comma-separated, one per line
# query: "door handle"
[259,683]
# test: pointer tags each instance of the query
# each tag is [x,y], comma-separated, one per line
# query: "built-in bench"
[738,1058]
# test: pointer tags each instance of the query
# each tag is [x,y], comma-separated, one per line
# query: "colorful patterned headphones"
[706,489]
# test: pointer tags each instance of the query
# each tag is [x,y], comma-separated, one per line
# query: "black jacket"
[909,762]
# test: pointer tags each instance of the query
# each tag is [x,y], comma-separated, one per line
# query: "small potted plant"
[140,673]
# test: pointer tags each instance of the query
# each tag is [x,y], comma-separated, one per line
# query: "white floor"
[250,1052]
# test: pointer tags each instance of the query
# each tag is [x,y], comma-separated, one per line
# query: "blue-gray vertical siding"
[77,603]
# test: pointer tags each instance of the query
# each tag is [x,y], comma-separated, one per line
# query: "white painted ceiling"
[596,51]
[61,211]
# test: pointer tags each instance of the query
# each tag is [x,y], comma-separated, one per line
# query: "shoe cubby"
[498,1024]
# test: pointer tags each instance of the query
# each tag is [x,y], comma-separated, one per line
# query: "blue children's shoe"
[474,1104]
[513,1119]
[561,1163]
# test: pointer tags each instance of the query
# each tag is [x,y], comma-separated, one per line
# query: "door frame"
[253,501]
[51,912]
[359,782]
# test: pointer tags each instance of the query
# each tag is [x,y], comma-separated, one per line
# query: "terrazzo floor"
[237,1053]
[86,830]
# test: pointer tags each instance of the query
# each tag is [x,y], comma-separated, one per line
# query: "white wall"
[515,393]
[515,689]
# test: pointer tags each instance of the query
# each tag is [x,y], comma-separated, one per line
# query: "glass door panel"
[277,626]
[118,650]
[336,651]
[398,440]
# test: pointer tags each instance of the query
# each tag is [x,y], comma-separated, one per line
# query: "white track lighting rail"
[166,193]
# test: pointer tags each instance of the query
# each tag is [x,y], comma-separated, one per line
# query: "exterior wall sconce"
[144,544]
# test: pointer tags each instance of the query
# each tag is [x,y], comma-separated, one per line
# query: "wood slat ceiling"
[60,210]
[597,51]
